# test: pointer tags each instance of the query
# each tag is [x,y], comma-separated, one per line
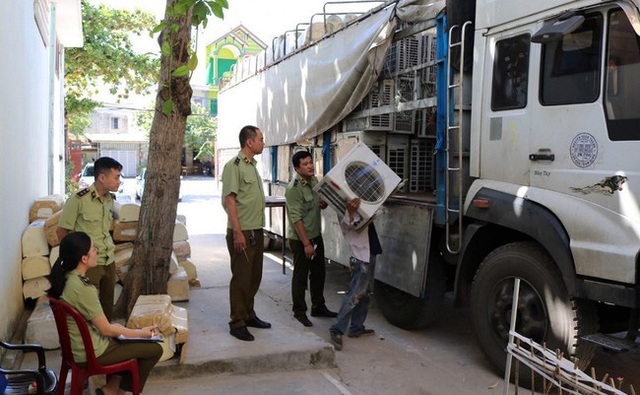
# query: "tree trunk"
[149,265]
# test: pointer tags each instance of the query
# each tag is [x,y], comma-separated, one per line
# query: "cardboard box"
[45,207]
[124,231]
[34,241]
[35,266]
[178,286]
[152,310]
[50,228]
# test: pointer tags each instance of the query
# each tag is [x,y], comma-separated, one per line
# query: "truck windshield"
[622,80]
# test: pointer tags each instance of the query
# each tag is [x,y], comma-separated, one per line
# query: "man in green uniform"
[90,210]
[305,240]
[243,200]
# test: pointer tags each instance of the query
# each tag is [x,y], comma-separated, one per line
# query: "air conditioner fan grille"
[364,181]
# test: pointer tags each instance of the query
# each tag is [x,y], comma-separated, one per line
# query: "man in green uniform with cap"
[243,200]
[90,210]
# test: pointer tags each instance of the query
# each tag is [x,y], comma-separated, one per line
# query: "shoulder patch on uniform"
[237,160]
[82,192]
[113,195]
[246,160]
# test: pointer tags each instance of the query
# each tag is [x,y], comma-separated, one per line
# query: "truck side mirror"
[557,28]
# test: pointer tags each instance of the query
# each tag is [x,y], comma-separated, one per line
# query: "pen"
[245,254]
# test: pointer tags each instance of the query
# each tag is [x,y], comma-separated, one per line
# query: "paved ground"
[291,359]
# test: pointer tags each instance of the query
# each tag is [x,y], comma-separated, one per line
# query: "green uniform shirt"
[303,203]
[240,176]
[85,211]
[80,294]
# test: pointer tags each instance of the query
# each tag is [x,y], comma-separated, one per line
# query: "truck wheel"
[546,313]
[407,311]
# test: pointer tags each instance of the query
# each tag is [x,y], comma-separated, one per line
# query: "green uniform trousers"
[307,271]
[147,354]
[246,275]
[103,277]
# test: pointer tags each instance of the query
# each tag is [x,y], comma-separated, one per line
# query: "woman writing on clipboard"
[68,283]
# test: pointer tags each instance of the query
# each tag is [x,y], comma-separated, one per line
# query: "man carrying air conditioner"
[305,240]
[365,245]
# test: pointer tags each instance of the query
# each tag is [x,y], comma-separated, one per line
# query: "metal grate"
[381,95]
[421,166]
[330,195]
[396,161]
[403,122]
[402,55]
[428,48]
[364,181]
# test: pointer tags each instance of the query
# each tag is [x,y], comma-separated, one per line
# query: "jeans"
[355,304]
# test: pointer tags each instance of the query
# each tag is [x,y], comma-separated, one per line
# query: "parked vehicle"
[87,178]
[140,181]
[515,128]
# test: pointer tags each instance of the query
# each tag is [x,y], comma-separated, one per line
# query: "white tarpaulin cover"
[307,93]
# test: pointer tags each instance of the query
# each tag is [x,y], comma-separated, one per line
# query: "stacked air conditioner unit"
[376,110]
[361,173]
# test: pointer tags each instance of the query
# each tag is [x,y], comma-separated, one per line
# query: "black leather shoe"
[242,334]
[257,323]
[304,320]
[323,312]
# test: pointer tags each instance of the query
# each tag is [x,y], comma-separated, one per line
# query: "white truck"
[514,123]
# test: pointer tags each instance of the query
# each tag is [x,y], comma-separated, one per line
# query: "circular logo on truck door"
[584,150]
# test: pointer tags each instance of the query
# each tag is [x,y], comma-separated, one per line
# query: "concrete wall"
[25,162]
[101,121]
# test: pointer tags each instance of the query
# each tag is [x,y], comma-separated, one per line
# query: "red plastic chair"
[80,375]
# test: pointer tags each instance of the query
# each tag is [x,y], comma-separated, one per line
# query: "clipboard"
[152,339]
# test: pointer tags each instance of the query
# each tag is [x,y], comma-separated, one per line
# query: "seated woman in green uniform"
[68,283]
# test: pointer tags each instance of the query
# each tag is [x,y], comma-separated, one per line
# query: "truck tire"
[410,312]
[546,313]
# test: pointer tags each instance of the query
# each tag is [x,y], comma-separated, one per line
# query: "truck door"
[584,140]
[568,118]
[504,149]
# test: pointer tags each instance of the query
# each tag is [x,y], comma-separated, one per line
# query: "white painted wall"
[27,109]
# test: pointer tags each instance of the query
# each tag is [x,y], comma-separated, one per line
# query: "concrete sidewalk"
[211,350]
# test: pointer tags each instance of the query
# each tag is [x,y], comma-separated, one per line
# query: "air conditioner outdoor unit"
[361,173]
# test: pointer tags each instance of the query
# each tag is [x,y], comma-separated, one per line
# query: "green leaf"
[193,62]
[218,3]
[166,48]
[167,107]
[180,71]
[158,28]
[181,7]
[200,12]
[217,10]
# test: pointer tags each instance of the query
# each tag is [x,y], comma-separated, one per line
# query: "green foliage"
[108,58]
[201,9]
[201,129]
